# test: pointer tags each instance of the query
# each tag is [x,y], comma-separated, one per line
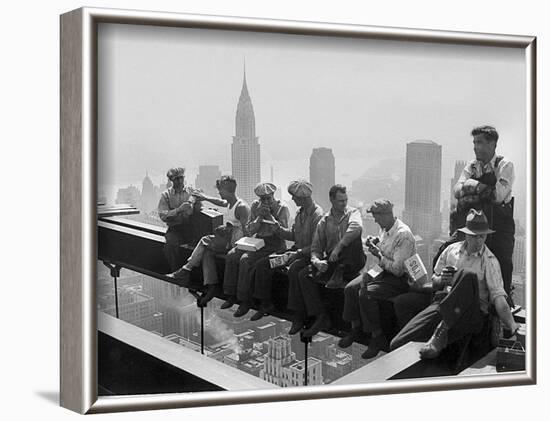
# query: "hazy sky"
[168,96]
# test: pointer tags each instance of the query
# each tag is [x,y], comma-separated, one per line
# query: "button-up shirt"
[170,200]
[504,174]
[333,229]
[304,227]
[396,245]
[483,263]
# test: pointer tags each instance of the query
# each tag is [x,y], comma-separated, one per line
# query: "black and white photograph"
[283,210]
[275,210]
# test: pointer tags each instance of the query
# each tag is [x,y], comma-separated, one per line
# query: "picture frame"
[79,213]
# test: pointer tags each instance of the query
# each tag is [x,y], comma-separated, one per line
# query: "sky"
[168,97]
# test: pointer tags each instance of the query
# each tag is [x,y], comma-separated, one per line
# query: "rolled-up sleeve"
[165,213]
[404,248]
[319,241]
[465,175]
[354,228]
[503,187]
[493,277]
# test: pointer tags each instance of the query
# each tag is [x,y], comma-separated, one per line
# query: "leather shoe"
[265,309]
[210,293]
[297,325]
[322,322]
[229,302]
[241,310]
[437,342]
[182,276]
[376,344]
[353,336]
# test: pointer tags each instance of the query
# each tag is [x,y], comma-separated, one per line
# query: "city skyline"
[348,96]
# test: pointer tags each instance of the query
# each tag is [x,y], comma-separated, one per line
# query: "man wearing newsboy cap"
[266,214]
[472,274]
[175,206]
[307,217]
[394,245]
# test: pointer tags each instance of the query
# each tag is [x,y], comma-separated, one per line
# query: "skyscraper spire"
[245,150]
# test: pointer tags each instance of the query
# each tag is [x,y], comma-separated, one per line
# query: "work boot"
[297,325]
[229,302]
[265,310]
[322,322]
[241,310]
[376,344]
[353,336]
[337,279]
[182,276]
[210,293]
[437,342]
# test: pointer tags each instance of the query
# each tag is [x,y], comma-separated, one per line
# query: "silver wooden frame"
[78,356]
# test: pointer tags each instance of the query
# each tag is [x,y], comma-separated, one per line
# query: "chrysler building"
[245,149]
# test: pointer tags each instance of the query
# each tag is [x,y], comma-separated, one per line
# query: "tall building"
[128,196]
[322,175]
[245,149]
[150,195]
[519,254]
[135,307]
[423,189]
[278,356]
[206,179]
[459,166]
[280,366]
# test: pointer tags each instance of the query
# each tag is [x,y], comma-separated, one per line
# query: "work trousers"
[295,300]
[361,297]
[263,279]
[310,286]
[459,309]
[240,267]
[204,254]
[174,239]
[408,305]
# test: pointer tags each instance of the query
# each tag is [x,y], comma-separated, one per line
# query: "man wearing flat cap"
[175,207]
[336,257]
[223,239]
[394,245]
[298,257]
[266,214]
[470,276]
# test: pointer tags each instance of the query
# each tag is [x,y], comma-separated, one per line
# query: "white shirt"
[483,263]
[504,174]
[396,245]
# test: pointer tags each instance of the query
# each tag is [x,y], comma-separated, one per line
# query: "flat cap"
[175,172]
[300,188]
[380,206]
[264,189]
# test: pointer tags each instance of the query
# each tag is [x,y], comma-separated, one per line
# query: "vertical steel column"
[202,330]
[115,273]
[116,297]
[198,297]
[306,342]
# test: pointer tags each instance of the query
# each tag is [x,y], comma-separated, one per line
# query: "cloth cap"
[175,172]
[264,189]
[300,188]
[476,223]
[380,206]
